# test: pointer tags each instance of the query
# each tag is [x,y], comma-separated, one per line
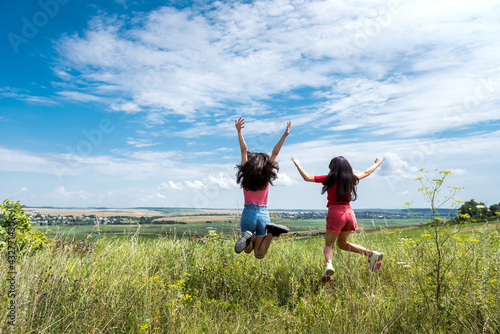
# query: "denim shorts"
[254,219]
[341,218]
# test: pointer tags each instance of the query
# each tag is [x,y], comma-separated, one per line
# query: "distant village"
[303,215]
[55,219]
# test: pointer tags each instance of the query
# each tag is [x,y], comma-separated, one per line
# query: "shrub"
[16,229]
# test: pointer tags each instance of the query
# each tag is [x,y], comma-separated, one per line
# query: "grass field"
[197,226]
[182,285]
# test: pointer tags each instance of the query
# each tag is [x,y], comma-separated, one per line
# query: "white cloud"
[403,157]
[122,2]
[20,191]
[196,184]
[23,161]
[409,107]
[417,82]
[458,171]
[25,95]
[170,185]
[82,97]
[127,107]
[63,195]
[140,142]
[394,166]
[181,79]
[402,68]
[284,180]
[213,185]
[158,196]
[221,180]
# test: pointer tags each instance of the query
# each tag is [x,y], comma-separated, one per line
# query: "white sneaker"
[374,260]
[329,270]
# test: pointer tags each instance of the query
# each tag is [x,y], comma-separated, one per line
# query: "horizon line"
[192,208]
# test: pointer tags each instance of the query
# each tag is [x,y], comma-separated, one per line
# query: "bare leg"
[249,248]
[261,245]
[330,240]
[347,246]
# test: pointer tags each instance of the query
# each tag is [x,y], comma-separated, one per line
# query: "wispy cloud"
[82,97]
[170,185]
[13,160]
[20,191]
[140,142]
[25,95]
[63,195]
[417,82]
[403,158]
[195,184]
[403,69]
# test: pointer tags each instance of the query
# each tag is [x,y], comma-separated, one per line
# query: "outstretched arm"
[370,170]
[305,176]
[243,146]
[277,148]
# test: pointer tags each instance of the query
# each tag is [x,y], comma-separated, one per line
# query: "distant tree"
[473,211]
[494,210]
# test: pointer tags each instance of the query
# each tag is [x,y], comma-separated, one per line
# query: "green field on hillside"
[176,284]
[201,228]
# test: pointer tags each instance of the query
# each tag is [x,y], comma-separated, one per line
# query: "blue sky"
[132,103]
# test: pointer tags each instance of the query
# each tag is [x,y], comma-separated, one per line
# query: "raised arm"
[243,146]
[370,170]
[277,148]
[305,176]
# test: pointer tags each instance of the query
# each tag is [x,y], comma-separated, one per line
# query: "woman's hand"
[243,146]
[288,125]
[277,148]
[379,160]
[303,173]
[239,124]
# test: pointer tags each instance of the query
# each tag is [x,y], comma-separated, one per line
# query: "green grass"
[319,224]
[199,228]
[179,285]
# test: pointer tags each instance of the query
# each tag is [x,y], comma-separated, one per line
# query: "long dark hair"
[341,173]
[257,172]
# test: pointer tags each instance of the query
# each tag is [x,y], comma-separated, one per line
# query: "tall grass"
[181,285]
